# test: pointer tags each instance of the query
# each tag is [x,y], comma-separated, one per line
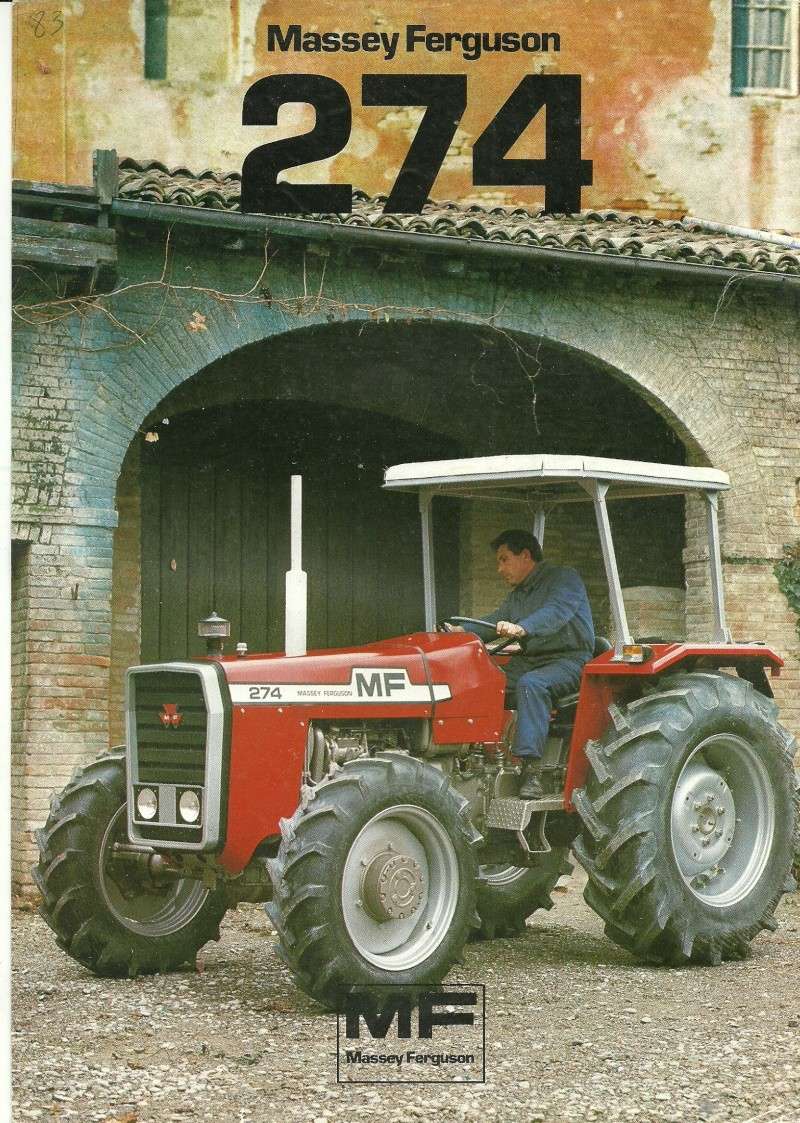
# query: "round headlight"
[189,807]
[147,803]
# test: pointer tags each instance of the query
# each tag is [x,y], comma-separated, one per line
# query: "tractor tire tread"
[643,905]
[72,903]
[504,909]
[300,911]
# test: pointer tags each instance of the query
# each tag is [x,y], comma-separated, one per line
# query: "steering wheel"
[497,647]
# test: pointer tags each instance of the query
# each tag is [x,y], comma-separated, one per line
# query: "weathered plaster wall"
[737,157]
[659,122]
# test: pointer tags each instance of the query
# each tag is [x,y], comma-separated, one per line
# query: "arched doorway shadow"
[215,526]
[339,403]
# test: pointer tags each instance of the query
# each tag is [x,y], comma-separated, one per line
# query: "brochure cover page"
[405,595]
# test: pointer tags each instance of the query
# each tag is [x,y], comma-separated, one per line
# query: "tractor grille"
[178,721]
[167,752]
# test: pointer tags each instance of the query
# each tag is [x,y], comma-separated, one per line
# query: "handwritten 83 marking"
[43,24]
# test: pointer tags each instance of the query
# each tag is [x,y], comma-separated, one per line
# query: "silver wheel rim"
[501,875]
[159,911]
[400,887]
[722,820]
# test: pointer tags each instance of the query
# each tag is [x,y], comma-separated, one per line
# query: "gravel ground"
[576,1030]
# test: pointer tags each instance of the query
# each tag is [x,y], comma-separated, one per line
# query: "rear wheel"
[110,915]
[374,881]
[508,895]
[689,820]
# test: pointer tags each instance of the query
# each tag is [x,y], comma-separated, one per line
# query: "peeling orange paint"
[762,138]
[83,87]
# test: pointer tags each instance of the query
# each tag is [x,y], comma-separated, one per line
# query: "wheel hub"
[723,819]
[400,887]
[147,906]
[392,886]
[704,817]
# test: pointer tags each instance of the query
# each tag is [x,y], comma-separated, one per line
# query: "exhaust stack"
[296,580]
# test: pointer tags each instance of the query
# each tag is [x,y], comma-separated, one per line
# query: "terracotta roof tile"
[595,232]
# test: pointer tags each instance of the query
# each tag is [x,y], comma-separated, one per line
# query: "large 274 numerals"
[562,172]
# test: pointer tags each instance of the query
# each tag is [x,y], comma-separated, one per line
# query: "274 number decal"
[561,172]
[262,693]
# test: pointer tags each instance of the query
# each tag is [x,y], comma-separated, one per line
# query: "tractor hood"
[411,675]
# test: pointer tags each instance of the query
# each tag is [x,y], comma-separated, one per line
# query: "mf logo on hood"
[367,684]
[170,717]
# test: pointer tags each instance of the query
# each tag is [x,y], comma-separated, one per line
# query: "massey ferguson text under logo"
[170,718]
[367,685]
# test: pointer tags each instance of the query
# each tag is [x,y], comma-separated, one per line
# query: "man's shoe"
[530,786]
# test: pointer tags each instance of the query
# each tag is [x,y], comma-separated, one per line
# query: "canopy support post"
[722,633]
[622,637]
[428,569]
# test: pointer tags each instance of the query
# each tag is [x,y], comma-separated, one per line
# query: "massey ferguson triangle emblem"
[169,715]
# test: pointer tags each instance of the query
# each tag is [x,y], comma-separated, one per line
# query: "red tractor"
[370,796]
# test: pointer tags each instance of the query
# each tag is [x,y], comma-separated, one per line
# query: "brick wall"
[126,593]
[61,620]
[655,611]
[21,852]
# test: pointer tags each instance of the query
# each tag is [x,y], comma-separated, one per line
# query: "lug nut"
[697,805]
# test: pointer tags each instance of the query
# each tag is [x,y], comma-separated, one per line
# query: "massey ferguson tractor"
[370,796]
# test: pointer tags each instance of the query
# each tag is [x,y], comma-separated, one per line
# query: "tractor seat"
[601,644]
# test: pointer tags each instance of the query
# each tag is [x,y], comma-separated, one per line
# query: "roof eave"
[316,230]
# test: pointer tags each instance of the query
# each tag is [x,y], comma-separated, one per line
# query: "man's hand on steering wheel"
[510,631]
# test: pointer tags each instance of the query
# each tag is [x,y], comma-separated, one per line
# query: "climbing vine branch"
[311,302]
[787,571]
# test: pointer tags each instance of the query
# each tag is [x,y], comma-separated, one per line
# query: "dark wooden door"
[215,527]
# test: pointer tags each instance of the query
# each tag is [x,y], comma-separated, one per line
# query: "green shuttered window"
[765,47]
[156,13]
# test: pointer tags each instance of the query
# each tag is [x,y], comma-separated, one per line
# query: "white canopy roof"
[627,478]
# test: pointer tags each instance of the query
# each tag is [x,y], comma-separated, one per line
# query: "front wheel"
[689,819]
[374,881]
[108,915]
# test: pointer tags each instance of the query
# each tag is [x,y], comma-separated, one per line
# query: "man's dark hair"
[517,541]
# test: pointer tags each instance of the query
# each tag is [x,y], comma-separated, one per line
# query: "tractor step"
[515,814]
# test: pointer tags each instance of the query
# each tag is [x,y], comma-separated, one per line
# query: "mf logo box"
[383,1037]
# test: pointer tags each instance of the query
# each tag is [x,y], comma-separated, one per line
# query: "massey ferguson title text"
[472,44]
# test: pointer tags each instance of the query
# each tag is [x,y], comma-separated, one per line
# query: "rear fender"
[605,681]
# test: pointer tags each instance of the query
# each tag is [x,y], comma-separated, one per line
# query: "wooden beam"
[54,189]
[105,171]
[43,228]
[31,200]
[62,244]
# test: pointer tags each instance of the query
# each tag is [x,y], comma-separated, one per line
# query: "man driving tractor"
[548,611]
